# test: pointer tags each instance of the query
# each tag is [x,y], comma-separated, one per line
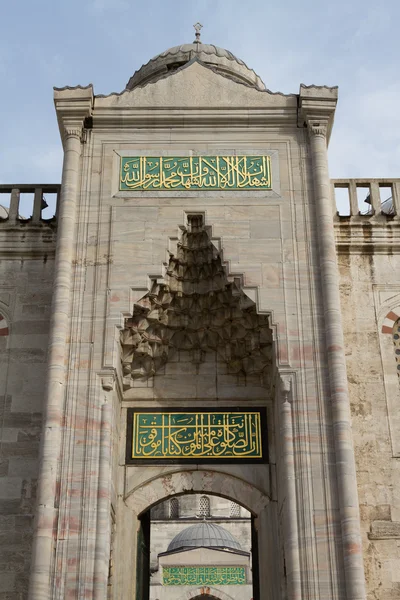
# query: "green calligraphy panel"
[193,173]
[195,435]
[204,575]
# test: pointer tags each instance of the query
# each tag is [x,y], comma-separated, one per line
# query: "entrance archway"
[159,485]
[186,550]
[206,593]
[155,490]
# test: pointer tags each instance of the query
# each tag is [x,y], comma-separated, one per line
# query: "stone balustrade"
[11,215]
[388,206]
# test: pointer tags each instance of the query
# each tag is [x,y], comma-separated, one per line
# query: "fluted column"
[103,533]
[344,449]
[291,543]
[47,501]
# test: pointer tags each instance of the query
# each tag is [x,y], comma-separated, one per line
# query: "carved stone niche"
[196,309]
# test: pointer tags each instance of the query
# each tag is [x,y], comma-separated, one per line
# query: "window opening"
[235,510]
[204,507]
[174,508]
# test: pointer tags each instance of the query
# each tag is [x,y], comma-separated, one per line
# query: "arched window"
[396,342]
[204,506]
[4,330]
[174,508]
[160,511]
[235,510]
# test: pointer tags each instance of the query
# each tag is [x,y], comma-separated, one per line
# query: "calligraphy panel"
[204,575]
[197,436]
[193,173]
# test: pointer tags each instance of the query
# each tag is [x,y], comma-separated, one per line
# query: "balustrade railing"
[378,197]
[10,201]
[375,203]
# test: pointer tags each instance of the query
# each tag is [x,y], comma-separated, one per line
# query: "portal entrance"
[196,545]
[196,343]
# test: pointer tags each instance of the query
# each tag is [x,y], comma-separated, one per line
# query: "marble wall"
[369,294]
[25,300]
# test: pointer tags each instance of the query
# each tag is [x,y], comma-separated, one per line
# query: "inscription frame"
[263,459]
[228,575]
[152,175]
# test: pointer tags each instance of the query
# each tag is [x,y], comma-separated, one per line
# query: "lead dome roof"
[219,59]
[204,535]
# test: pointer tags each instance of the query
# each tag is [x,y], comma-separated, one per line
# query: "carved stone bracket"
[384,530]
[108,379]
[285,387]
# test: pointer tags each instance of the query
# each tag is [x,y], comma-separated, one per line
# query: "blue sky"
[352,44]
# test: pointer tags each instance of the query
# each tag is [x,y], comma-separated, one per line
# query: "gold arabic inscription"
[195,173]
[204,575]
[175,435]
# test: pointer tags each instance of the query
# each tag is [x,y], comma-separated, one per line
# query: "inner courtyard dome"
[204,535]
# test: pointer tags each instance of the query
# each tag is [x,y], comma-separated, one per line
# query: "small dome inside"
[221,60]
[204,535]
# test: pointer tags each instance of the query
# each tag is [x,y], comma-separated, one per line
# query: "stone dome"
[223,61]
[204,535]
[3,212]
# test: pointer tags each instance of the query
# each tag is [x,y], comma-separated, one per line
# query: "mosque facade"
[200,359]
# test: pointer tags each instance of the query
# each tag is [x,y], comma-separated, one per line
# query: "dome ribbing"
[223,61]
[204,535]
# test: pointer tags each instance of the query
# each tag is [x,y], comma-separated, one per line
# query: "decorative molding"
[73,105]
[73,132]
[367,234]
[390,320]
[107,383]
[317,109]
[384,530]
[4,329]
[73,87]
[110,117]
[196,309]
[286,387]
[204,591]
[108,379]
[317,128]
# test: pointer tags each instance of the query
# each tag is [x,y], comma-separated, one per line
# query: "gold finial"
[197,27]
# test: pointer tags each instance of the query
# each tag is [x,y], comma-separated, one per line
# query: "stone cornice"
[108,118]
[317,109]
[73,106]
[28,241]
[367,235]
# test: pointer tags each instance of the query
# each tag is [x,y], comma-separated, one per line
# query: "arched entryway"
[206,593]
[174,484]
[223,351]
[196,557]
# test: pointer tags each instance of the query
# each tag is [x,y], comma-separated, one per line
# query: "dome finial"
[197,27]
